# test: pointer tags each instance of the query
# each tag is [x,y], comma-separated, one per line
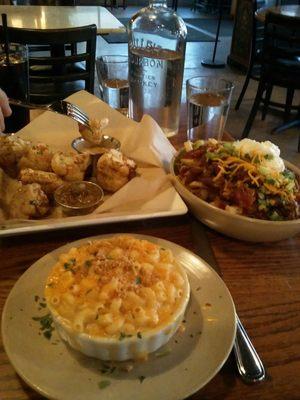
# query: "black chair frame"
[280,60]
[254,71]
[54,61]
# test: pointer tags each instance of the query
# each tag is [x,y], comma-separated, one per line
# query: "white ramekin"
[113,349]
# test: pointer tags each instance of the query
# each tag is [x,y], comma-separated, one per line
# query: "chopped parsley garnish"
[47,334]
[68,267]
[104,384]
[107,368]
[138,280]
[46,323]
[123,335]
[268,156]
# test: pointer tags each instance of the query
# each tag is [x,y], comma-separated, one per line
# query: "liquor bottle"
[156,49]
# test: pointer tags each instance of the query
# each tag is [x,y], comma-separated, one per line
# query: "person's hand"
[5,110]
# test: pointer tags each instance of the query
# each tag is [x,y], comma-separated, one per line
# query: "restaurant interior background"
[197,51]
[193,12]
[263,277]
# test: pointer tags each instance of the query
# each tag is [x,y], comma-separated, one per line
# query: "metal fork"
[61,107]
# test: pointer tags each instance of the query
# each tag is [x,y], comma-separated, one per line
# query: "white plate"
[57,372]
[59,131]
[176,207]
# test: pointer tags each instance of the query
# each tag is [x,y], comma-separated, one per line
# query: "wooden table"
[59,17]
[264,280]
[287,10]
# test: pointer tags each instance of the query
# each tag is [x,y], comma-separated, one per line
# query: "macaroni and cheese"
[119,287]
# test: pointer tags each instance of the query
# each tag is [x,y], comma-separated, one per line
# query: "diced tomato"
[244,197]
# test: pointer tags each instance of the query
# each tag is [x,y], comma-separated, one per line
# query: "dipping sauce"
[107,143]
[80,197]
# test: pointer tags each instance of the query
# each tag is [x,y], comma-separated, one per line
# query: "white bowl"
[137,346]
[234,225]
[111,349]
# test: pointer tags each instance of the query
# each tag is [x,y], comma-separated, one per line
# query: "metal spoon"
[249,364]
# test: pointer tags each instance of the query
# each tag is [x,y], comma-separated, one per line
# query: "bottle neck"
[158,3]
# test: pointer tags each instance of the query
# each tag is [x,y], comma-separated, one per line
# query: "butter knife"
[249,364]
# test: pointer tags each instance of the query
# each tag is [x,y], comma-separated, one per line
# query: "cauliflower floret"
[38,157]
[29,201]
[71,166]
[114,170]
[48,180]
[12,148]
[94,135]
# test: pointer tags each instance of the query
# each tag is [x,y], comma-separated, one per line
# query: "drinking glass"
[14,80]
[208,101]
[112,72]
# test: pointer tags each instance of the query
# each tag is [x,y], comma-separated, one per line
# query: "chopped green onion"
[104,384]
[138,280]
[268,156]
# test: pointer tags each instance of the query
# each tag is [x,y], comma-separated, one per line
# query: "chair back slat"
[71,59]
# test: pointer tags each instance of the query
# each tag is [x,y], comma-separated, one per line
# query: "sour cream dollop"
[270,153]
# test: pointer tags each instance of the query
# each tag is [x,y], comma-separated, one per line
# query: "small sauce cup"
[79,197]
[95,151]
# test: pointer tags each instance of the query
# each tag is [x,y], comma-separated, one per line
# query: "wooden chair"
[255,36]
[61,62]
[254,66]
[45,2]
[280,59]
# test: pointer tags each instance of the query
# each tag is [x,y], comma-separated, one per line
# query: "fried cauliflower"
[29,201]
[49,181]
[12,149]
[38,157]
[70,166]
[114,170]
[94,135]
